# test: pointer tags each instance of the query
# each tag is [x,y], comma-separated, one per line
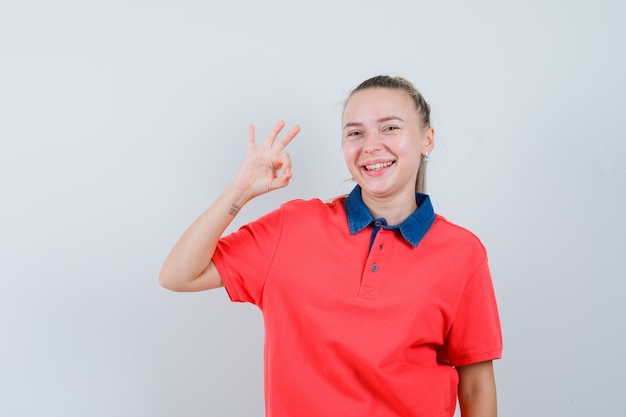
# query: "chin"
[377,190]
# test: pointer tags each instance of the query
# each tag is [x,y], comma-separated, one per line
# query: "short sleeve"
[475,335]
[244,258]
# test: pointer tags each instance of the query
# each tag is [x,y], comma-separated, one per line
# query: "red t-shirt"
[356,332]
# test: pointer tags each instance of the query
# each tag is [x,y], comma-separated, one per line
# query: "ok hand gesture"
[266,167]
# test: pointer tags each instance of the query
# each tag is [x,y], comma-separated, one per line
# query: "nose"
[373,143]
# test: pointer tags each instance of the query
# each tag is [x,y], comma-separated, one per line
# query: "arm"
[189,267]
[477,390]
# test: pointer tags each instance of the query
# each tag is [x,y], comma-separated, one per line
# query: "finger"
[282,143]
[251,140]
[285,165]
[269,139]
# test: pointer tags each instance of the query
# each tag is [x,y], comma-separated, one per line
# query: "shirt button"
[374,267]
[377,223]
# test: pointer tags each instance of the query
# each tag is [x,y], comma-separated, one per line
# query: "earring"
[426,158]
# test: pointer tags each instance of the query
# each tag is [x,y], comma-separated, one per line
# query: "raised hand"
[266,167]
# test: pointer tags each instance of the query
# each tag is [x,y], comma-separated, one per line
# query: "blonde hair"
[422,107]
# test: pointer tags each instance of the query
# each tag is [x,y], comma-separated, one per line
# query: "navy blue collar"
[413,229]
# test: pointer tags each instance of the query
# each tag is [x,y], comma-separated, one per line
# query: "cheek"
[350,151]
[350,156]
[410,146]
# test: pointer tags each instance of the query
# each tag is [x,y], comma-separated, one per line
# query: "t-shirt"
[356,326]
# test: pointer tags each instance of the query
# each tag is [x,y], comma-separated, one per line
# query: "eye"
[354,133]
[390,128]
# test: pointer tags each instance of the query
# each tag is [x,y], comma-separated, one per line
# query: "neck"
[393,209]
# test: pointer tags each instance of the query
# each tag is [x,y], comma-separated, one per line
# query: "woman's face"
[384,141]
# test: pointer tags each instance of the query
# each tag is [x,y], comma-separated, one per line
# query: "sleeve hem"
[481,357]
[218,261]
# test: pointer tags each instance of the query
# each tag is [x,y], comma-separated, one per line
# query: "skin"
[477,390]
[266,167]
[380,126]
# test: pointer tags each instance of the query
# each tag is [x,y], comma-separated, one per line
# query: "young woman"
[373,304]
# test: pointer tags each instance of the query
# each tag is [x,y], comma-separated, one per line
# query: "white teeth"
[378,166]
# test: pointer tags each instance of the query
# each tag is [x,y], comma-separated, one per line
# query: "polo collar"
[413,228]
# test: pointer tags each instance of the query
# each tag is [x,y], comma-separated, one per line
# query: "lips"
[378,166]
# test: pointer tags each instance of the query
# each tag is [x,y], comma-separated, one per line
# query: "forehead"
[379,102]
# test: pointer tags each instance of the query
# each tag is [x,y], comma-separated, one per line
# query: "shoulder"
[314,214]
[455,235]
[315,205]
[300,209]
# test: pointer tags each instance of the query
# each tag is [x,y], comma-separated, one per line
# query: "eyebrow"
[381,120]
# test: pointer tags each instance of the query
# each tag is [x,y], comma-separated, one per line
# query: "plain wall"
[120,121]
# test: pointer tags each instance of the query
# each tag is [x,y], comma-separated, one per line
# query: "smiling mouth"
[378,166]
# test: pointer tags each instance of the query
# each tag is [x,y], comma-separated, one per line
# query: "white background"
[120,121]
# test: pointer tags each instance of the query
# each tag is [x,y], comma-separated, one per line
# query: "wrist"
[236,197]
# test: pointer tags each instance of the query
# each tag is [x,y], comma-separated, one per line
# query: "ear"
[428,143]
